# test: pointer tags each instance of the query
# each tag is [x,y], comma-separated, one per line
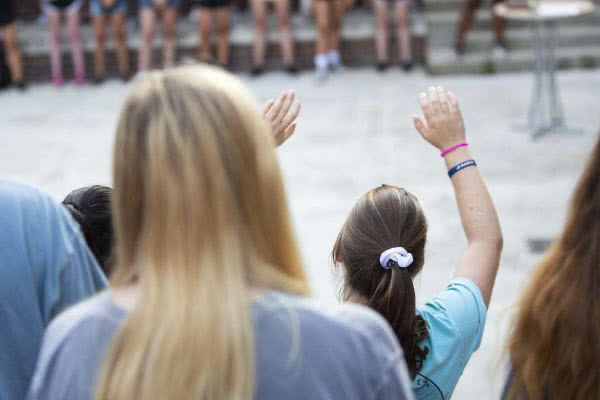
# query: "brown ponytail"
[383,218]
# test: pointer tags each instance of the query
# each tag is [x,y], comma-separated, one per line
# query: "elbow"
[499,241]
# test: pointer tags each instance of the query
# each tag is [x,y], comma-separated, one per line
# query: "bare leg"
[402,25]
[287,38]
[322,17]
[55,56]
[336,16]
[466,20]
[381,30]
[76,46]
[170,33]
[119,30]
[148,22]
[259,9]
[499,26]
[204,26]
[99,52]
[13,53]
[223,14]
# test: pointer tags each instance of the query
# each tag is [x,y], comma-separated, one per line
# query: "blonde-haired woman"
[208,298]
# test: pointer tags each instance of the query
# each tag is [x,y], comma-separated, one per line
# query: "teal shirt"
[45,266]
[455,321]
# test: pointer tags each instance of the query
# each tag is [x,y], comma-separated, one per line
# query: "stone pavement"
[355,133]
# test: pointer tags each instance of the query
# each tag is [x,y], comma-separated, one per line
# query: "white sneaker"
[500,51]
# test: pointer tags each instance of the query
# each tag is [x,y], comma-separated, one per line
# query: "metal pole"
[556,111]
[536,110]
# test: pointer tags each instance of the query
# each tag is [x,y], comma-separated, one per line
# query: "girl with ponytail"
[381,248]
[208,297]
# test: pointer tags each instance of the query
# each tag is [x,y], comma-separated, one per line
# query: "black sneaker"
[381,66]
[98,80]
[291,69]
[459,49]
[407,66]
[257,71]
[21,85]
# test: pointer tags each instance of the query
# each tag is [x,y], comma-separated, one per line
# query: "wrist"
[450,148]
[457,156]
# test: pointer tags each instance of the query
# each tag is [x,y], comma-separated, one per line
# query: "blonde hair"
[200,217]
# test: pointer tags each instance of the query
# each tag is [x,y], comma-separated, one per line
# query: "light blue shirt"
[45,266]
[455,321]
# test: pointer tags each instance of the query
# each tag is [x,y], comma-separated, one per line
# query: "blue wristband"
[459,166]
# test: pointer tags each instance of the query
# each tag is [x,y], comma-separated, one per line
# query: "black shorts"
[8,12]
[212,3]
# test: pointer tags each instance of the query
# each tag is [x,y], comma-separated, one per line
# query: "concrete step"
[443,60]
[521,38]
[443,22]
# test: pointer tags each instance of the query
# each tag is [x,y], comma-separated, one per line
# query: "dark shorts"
[118,7]
[8,12]
[212,3]
[150,3]
[58,6]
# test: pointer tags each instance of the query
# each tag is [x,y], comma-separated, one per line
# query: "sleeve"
[71,271]
[460,305]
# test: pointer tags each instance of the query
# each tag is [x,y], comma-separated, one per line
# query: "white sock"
[321,62]
[334,58]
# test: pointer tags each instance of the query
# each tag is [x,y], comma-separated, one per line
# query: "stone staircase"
[579,42]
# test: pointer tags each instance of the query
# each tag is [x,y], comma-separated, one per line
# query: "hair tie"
[396,255]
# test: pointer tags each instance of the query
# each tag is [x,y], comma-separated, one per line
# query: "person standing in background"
[8,31]
[207,12]
[102,12]
[465,22]
[45,266]
[148,11]
[259,10]
[329,15]
[53,10]
[401,10]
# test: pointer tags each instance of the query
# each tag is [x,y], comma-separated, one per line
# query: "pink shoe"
[59,81]
[79,80]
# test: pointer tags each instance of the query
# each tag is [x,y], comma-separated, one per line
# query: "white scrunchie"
[397,254]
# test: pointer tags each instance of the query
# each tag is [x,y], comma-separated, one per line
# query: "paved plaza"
[355,132]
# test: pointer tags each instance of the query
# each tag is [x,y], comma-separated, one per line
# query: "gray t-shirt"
[302,352]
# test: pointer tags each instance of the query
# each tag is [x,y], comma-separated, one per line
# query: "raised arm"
[443,127]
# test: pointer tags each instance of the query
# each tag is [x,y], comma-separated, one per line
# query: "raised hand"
[443,126]
[282,114]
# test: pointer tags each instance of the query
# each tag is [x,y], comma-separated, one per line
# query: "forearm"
[477,212]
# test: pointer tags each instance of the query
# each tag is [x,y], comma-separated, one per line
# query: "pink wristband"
[451,149]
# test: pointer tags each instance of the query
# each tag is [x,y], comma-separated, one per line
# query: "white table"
[545,112]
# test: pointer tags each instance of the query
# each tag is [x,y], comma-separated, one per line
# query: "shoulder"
[76,323]
[459,307]
[344,325]
[72,349]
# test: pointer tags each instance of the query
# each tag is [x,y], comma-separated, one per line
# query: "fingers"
[291,115]
[434,100]
[419,125]
[453,101]
[288,132]
[276,107]
[287,101]
[425,106]
[443,100]
[267,107]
